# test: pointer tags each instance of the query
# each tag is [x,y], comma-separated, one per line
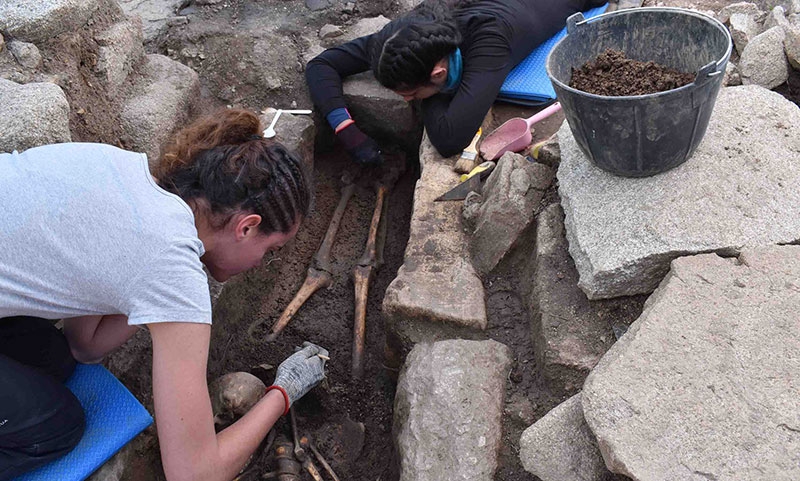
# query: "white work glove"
[300,372]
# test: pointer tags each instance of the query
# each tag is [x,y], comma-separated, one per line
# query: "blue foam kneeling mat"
[528,82]
[113,418]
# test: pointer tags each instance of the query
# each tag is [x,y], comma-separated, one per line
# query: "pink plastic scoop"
[514,135]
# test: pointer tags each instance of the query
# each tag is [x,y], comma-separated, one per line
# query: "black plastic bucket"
[642,135]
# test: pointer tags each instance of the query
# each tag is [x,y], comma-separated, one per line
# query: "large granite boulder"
[705,384]
[40,20]
[791,46]
[448,409]
[31,115]
[737,190]
[763,61]
[158,105]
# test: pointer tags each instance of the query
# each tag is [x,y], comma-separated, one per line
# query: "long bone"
[319,273]
[299,451]
[304,441]
[370,261]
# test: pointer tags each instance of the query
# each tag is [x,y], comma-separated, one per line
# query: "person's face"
[419,93]
[242,248]
[434,86]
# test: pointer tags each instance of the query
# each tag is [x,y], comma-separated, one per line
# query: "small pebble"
[330,31]
[26,54]
[174,21]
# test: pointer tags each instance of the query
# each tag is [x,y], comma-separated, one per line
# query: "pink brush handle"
[543,114]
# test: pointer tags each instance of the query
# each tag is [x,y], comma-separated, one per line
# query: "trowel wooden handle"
[543,114]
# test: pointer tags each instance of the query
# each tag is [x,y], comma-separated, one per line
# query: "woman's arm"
[190,448]
[324,73]
[91,338]
[451,121]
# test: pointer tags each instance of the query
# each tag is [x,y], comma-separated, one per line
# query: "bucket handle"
[573,21]
[707,72]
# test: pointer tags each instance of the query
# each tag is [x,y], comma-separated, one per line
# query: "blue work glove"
[300,372]
[362,148]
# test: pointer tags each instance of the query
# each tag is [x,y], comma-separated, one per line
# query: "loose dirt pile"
[613,74]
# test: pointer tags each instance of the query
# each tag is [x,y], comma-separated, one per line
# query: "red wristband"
[285,397]
[344,125]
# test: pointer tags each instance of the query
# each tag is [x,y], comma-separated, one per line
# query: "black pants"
[40,419]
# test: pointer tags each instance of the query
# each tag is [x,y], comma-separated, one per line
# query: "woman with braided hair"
[91,237]
[452,54]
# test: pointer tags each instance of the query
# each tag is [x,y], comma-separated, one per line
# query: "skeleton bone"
[299,452]
[305,442]
[288,467]
[362,274]
[319,273]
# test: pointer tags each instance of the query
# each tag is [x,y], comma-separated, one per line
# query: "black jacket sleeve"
[324,73]
[452,120]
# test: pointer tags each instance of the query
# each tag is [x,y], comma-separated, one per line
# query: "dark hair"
[221,164]
[406,50]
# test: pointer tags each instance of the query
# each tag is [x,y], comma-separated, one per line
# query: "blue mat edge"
[532,68]
[143,419]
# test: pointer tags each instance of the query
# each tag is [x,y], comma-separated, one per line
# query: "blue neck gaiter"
[454,70]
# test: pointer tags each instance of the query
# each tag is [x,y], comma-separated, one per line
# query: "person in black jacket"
[452,54]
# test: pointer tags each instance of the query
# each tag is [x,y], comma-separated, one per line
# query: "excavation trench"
[330,414]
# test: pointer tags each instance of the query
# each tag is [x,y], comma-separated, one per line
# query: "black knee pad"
[42,419]
[35,342]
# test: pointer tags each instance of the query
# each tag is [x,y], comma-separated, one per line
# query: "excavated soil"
[613,74]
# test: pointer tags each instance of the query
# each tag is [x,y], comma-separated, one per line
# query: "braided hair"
[406,50]
[222,165]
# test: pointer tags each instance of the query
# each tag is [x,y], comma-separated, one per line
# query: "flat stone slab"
[158,105]
[31,115]
[561,447]
[705,384]
[437,293]
[448,409]
[738,190]
[36,21]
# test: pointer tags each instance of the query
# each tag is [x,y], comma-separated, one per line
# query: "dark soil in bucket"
[613,74]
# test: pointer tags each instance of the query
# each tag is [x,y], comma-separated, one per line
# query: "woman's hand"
[300,372]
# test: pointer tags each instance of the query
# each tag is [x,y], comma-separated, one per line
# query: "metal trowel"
[469,182]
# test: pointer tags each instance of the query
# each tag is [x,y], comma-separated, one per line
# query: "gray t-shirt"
[84,229]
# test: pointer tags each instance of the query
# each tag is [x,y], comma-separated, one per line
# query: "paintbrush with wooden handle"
[469,157]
